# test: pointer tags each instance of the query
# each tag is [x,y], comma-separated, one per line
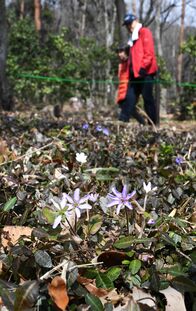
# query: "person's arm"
[148,50]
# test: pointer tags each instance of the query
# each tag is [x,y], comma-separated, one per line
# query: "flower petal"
[63,200]
[84,199]
[112,203]
[56,205]
[129,205]
[77,195]
[69,199]
[116,192]
[85,206]
[57,221]
[119,208]
[130,195]
[78,213]
[124,191]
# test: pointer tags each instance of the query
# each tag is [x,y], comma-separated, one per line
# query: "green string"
[56,79]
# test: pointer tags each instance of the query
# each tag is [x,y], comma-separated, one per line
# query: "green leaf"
[49,215]
[95,224]
[103,281]
[43,259]
[26,296]
[136,280]
[135,266]
[127,242]
[183,284]
[94,302]
[10,204]
[113,273]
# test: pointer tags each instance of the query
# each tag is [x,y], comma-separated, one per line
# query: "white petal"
[84,199]
[56,205]
[77,195]
[119,208]
[85,206]
[63,200]
[78,213]
[57,221]
[69,199]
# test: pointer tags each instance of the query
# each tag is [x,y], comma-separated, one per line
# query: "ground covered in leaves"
[96,215]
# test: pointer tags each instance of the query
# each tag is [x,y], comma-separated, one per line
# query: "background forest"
[75,40]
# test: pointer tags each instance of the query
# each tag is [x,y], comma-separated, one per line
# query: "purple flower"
[179,160]
[99,128]
[76,203]
[121,199]
[151,221]
[93,197]
[85,126]
[105,131]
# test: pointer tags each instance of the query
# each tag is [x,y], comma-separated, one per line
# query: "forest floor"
[96,215]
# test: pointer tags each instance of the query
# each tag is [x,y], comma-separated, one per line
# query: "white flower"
[59,206]
[77,203]
[148,187]
[81,157]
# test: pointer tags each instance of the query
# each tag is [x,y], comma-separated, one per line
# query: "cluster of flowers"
[98,128]
[69,205]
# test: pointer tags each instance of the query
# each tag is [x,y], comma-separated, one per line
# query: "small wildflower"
[77,204]
[106,131]
[121,199]
[148,187]
[99,128]
[85,126]
[81,157]
[59,206]
[151,221]
[179,160]
[93,197]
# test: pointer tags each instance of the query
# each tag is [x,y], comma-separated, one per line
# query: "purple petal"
[129,205]
[57,221]
[112,203]
[116,192]
[84,199]
[85,206]
[119,208]
[77,195]
[124,191]
[69,199]
[130,195]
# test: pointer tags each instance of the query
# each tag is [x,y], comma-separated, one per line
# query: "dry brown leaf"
[112,258]
[11,234]
[58,292]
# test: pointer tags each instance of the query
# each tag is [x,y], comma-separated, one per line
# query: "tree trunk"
[134,9]
[161,92]
[22,6]
[37,14]
[120,8]
[5,97]
[181,39]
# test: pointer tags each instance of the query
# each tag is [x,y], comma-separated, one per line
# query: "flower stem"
[127,218]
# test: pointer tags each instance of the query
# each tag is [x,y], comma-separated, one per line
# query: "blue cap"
[128,19]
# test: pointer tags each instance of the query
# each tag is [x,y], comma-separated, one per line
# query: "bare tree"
[22,7]
[5,97]
[37,14]
[121,9]
[181,39]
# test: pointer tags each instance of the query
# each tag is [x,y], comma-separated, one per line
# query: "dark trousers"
[143,86]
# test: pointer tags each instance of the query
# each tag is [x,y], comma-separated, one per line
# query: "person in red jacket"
[123,73]
[141,69]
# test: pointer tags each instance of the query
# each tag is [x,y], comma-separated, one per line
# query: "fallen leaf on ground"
[58,292]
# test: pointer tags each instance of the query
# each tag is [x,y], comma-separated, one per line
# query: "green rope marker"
[56,79]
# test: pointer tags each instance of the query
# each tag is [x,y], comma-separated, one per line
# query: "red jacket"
[123,76]
[142,54]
